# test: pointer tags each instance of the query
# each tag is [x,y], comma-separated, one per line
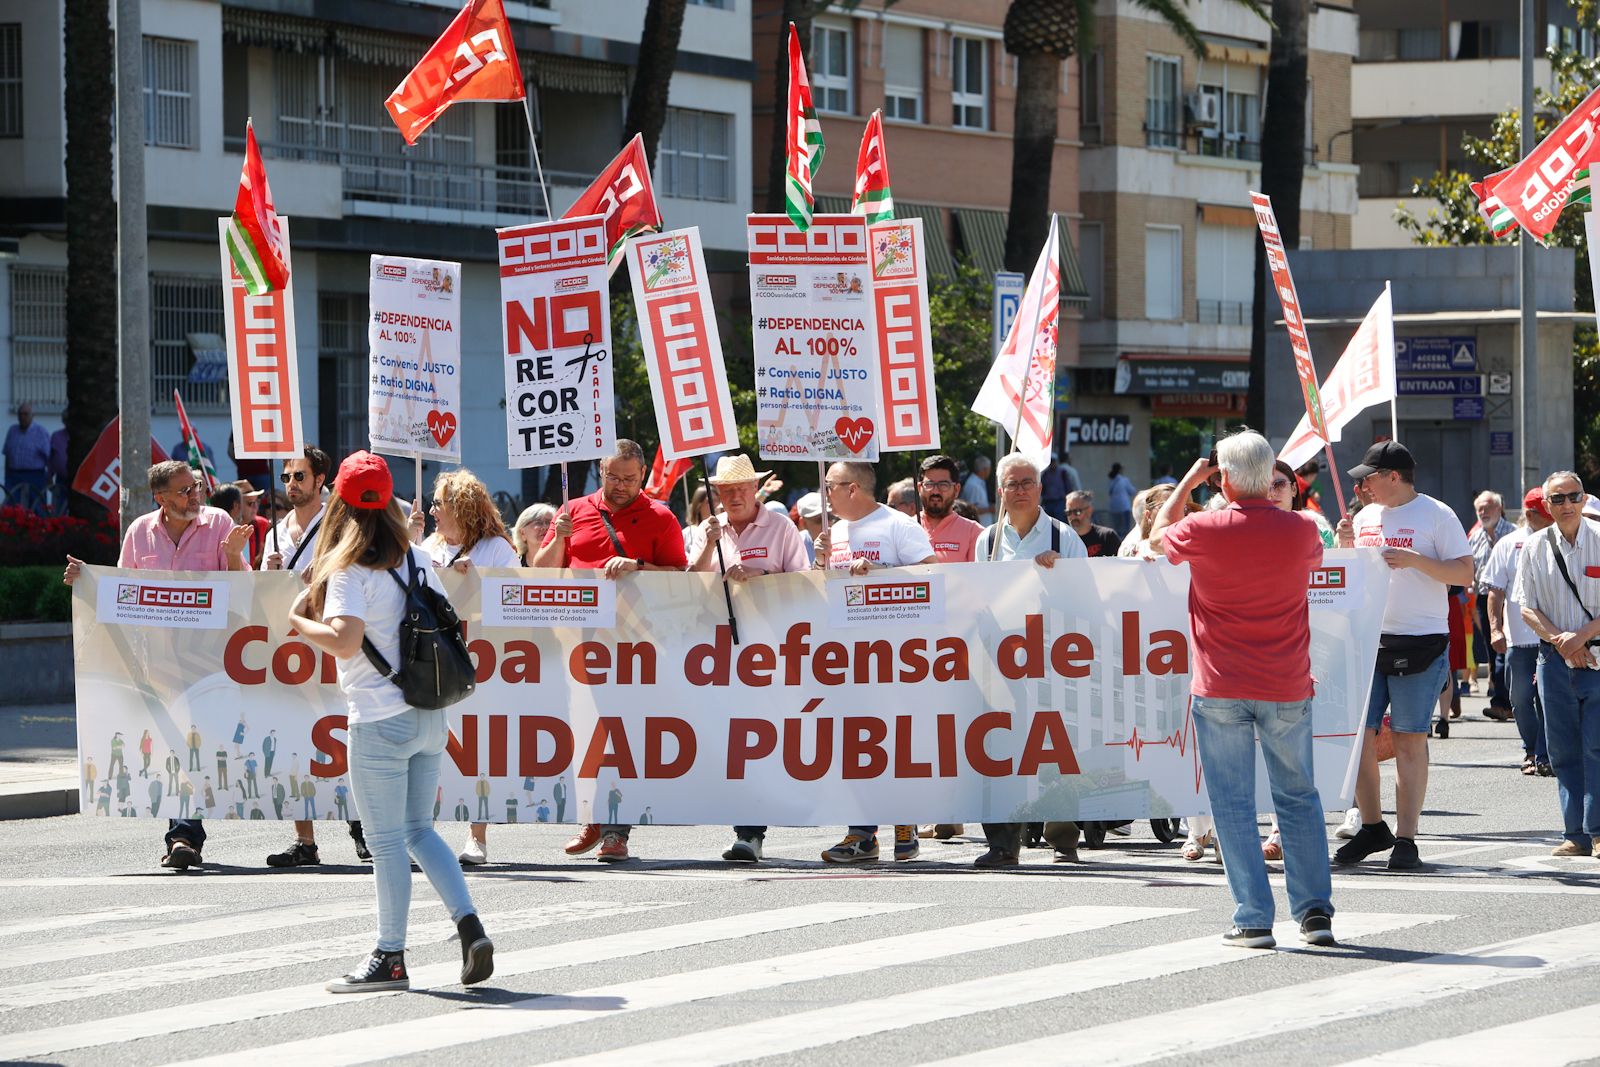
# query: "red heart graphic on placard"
[442,424]
[855,433]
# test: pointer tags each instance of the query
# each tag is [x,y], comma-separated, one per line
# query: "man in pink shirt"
[182,534]
[953,537]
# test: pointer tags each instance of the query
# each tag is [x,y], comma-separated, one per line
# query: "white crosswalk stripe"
[1195,1029]
[421,1035]
[813,1029]
[199,968]
[201,1014]
[95,918]
[1548,1041]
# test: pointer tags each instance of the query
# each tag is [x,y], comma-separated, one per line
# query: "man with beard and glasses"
[1098,541]
[182,534]
[290,545]
[951,535]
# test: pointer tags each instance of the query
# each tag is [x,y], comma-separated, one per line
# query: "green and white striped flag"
[873,197]
[804,149]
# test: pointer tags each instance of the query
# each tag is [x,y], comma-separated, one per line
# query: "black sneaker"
[1374,837]
[477,951]
[382,971]
[1254,937]
[1404,857]
[363,853]
[1317,929]
[298,854]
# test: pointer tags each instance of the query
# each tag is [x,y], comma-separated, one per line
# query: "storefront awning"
[286,33]
[983,242]
[569,74]
[1153,375]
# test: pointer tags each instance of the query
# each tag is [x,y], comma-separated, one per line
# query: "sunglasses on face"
[1279,484]
[184,491]
[1563,498]
[292,476]
[1077,511]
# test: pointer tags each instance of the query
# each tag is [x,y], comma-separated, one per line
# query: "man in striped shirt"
[1558,586]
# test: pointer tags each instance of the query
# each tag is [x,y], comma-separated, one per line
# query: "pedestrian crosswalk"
[684,972]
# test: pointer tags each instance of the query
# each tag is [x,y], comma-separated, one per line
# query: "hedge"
[34,594]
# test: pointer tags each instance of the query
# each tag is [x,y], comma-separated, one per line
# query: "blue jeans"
[1522,665]
[1571,700]
[1227,731]
[1483,653]
[394,769]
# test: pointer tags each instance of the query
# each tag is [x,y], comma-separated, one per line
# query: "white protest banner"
[905,341]
[682,347]
[557,330]
[263,371]
[1017,694]
[414,353]
[166,603]
[1363,377]
[815,338]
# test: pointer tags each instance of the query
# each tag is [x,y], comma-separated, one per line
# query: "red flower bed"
[27,538]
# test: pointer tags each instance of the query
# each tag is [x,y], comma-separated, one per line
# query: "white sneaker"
[1351,825]
[475,854]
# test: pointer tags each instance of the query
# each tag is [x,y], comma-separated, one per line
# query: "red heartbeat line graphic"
[1183,740]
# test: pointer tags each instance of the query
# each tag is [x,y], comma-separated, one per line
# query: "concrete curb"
[38,800]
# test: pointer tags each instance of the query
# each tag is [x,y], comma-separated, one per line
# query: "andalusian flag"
[1588,162]
[803,149]
[255,239]
[873,198]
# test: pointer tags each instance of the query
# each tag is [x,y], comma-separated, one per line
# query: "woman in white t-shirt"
[395,749]
[469,533]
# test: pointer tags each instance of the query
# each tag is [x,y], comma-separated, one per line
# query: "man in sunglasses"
[1098,541]
[1427,552]
[1558,586]
[182,534]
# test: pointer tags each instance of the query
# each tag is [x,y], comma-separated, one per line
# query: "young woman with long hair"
[395,749]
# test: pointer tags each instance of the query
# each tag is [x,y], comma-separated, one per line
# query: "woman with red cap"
[394,748]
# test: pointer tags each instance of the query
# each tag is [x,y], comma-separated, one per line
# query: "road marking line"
[1547,1041]
[683,987]
[813,1029]
[261,1004]
[185,932]
[270,957]
[1203,1027]
[92,918]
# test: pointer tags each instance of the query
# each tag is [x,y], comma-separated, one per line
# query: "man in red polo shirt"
[1252,678]
[616,530]
[951,535]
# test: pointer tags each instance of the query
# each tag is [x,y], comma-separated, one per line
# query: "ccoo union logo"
[160,596]
[1327,578]
[887,593]
[548,596]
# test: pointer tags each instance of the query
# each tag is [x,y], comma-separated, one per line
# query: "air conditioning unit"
[1202,109]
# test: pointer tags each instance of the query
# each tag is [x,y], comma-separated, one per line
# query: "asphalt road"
[1490,954]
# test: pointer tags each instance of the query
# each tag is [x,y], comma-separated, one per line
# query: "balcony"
[1212,144]
[1222,312]
[415,187]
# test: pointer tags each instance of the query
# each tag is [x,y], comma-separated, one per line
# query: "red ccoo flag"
[99,477]
[664,476]
[475,59]
[623,194]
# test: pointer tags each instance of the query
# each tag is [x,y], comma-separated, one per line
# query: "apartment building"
[1428,73]
[947,87]
[340,172]
[1171,150]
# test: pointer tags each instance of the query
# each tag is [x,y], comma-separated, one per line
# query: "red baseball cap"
[362,473]
[1534,501]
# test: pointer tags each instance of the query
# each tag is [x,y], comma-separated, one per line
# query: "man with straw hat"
[755,541]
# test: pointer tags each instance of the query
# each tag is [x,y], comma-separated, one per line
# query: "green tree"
[1456,221]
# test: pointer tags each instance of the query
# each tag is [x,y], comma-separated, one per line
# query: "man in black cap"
[1427,552]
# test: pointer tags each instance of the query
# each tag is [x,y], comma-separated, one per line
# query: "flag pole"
[822,491]
[722,567]
[272,505]
[1333,472]
[1394,416]
[538,168]
[419,482]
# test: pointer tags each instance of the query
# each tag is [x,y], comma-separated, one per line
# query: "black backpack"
[435,669]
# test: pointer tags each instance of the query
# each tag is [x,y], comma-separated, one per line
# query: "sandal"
[1194,848]
[1272,847]
[1529,767]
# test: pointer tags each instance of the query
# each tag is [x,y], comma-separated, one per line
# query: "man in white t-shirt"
[1427,552]
[867,535]
[1511,635]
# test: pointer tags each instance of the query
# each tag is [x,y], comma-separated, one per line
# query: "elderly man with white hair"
[1251,629]
[1024,531]
[1492,526]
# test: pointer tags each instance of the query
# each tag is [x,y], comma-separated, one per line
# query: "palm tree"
[1283,135]
[658,54]
[91,216]
[1042,34]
